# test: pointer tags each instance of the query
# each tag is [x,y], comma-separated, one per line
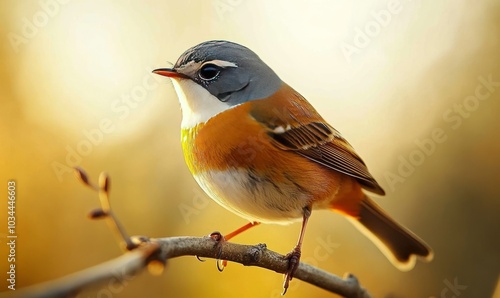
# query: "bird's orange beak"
[169,72]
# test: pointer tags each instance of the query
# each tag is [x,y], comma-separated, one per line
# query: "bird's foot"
[293,258]
[219,242]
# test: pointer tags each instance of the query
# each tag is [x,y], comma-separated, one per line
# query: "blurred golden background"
[413,85]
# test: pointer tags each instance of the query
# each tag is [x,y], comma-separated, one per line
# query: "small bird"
[261,150]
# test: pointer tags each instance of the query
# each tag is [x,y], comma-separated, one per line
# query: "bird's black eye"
[209,72]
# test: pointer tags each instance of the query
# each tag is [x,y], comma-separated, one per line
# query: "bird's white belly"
[254,197]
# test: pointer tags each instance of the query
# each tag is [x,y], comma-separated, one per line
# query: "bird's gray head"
[230,73]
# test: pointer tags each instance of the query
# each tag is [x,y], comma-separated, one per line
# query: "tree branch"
[258,255]
[153,254]
[113,271]
[158,250]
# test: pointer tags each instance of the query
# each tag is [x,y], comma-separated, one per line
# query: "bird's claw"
[293,264]
[219,239]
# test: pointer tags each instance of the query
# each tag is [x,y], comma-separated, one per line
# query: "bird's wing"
[296,126]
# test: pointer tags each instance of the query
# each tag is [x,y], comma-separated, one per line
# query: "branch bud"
[97,214]
[156,267]
[104,182]
[82,176]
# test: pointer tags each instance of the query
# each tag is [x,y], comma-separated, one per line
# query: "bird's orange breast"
[234,140]
[230,139]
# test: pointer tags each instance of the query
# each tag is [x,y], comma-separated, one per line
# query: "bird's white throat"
[197,104]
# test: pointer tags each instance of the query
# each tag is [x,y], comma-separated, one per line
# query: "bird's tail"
[397,243]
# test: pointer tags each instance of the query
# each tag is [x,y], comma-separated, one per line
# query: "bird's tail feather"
[399,244]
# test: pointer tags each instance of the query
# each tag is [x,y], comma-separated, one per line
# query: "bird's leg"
[294,256]
[221,264]
[241,230]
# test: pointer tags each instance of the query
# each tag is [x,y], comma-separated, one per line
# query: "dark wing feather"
[321,143]
[303,137]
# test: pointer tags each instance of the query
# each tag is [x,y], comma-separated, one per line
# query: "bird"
[259,149]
